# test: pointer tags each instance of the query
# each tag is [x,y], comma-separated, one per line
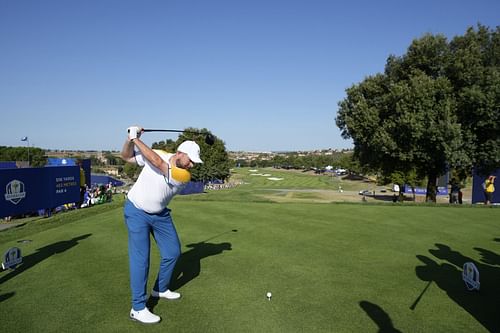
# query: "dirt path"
[327,196]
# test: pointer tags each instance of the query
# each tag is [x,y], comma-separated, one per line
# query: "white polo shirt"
[153,190]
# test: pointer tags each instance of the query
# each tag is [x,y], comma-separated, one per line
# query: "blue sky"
[261,75]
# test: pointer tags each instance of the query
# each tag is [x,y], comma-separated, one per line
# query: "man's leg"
[168,243]
[138,249]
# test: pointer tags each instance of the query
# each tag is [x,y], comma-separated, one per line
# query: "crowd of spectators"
[220,186]
[98,194]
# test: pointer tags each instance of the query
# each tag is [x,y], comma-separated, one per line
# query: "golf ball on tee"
[269,295]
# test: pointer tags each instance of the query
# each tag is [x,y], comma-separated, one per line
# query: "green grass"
[330,267]
[256,187]
[293,179]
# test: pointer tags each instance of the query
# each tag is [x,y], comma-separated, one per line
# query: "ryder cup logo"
[12,258]
[470,276]
[14,191]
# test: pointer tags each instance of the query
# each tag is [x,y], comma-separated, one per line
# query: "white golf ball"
[269,294]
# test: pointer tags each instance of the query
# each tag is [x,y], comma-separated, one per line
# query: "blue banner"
[8,165]
[104,180]
[423,191]
[441,187]
[192,187]
[27,190]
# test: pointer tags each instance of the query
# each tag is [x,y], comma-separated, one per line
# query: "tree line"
[295,160]
[34,156]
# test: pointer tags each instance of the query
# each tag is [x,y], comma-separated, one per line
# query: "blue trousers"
[140,225]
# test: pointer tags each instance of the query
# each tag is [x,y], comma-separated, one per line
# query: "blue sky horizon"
[260,75]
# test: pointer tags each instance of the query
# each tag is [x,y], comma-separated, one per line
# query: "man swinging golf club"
[163,175]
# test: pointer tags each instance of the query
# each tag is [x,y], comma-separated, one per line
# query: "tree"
[112,159]
[216,163]
[348,162]
[167,145]
[131,170]
[474,70]
[406,118]
[37,157]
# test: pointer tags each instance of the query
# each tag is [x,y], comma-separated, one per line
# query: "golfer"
[163,176]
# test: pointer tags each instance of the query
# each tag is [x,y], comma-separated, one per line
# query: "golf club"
[209,138]
[414,305]
[223,233]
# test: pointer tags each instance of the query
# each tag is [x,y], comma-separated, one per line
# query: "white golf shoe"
[166,294]
[144,316]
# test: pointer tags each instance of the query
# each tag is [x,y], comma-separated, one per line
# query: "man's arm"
[151,156]
[128,151]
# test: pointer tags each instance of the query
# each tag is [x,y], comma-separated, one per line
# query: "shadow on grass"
[188,266]
[3,297]
[379,316]
[384,197]
[41,254]
[391,198]
[482,305]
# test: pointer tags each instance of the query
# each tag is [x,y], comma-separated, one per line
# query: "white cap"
[192,150]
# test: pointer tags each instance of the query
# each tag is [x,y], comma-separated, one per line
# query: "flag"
[25,138]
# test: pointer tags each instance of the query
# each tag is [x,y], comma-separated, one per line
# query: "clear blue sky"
[261,75]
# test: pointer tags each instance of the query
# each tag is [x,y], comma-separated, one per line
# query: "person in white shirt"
[163,176]
[397,194]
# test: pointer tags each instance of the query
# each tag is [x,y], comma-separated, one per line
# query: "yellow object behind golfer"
[179,174]
[175,174]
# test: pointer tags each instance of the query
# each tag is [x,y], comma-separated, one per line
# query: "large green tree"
[216,163]
[424,114]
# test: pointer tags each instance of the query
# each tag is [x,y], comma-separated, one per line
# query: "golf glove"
[134,132]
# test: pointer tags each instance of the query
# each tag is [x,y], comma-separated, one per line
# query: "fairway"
[340,267]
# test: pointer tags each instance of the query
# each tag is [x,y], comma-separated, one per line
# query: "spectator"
[396,189]
[489,189]
[454,192]
[83,186]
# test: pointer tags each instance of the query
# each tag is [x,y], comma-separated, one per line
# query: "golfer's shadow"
[447,275]
[41,254]
[188,266]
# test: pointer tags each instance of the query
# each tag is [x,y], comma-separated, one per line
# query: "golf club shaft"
[209,139]
[169,130]
[414,305]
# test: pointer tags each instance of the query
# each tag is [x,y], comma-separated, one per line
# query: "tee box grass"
[338,267]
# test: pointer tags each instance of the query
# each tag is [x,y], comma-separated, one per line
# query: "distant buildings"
[267,156]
